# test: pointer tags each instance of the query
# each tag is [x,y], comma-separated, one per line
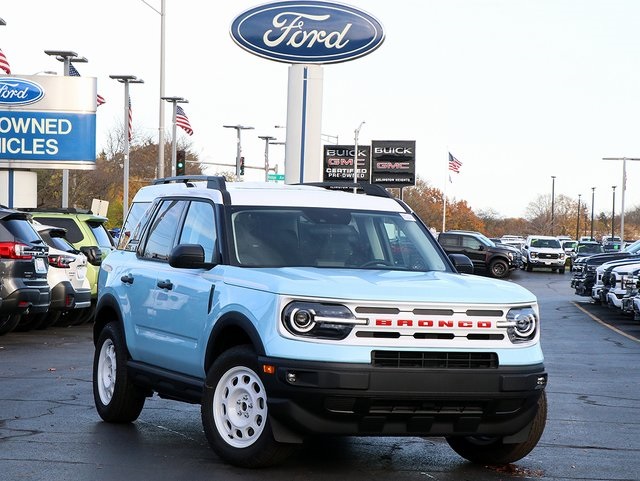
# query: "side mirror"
[188,256]
[93,253]
[462,263]
[526,247]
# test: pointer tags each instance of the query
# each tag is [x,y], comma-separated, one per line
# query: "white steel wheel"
[116,398]
[240,407]
[106,372]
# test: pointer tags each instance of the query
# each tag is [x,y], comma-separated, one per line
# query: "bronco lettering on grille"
[429,323]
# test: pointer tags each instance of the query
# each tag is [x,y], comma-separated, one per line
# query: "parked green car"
[87,232]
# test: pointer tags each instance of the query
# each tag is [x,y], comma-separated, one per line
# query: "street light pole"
[66,57]
[126,80]
[593,196]
[578,221]
[356,133]
[624,188]
[174,145]
[238,128]
[613,212]
[553,199]
[267,139]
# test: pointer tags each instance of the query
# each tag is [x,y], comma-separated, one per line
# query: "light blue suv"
[288,311]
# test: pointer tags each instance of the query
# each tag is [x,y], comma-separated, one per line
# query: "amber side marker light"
[268,369]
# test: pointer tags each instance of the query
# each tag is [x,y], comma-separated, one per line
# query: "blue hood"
[378,285]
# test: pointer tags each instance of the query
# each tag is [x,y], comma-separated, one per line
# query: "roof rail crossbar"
[58,210]
[213,181]
[361,187]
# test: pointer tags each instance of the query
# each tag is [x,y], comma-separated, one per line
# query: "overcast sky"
[517,90]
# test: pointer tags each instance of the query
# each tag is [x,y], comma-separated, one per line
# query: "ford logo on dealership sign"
[307,32]
[16,91]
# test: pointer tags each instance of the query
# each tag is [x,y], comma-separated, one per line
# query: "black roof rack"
[361,187]
[213,181]
[58,210]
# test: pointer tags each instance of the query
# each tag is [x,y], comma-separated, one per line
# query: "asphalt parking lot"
[49,428]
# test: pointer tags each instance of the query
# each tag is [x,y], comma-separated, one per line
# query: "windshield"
[337,238]
[590,249]
[485,240]
[546,243]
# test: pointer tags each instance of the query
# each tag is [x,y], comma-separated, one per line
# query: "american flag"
[454,164]
[74,73]
[4,63]
[182,120]
[130,126]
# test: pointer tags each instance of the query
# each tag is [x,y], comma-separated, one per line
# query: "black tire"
[561,270]
[529,268]
[116,398]
[499,269]
[8,323]
[50,319]
[491,450]
[68,318]
[241,436]
[30,321]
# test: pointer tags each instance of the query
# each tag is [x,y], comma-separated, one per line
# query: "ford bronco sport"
[288,311]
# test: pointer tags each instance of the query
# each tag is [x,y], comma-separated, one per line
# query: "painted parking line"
[600,321]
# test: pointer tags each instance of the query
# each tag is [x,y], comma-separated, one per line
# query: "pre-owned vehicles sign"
[47,122]
[307,32]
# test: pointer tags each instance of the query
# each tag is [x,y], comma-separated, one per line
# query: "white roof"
[272,194]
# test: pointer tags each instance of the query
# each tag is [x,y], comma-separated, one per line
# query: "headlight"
[534,255]
[318,320]
[521,324]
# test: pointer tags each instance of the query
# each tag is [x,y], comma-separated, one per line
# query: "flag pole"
[444,198]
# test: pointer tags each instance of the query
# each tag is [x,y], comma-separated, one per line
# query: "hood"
[376,285]
[506,249]
[602,258]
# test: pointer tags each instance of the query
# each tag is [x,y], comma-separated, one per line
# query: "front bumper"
[583,285]
[547,263]
[351,399]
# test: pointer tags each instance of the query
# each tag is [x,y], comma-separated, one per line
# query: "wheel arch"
[230,330]
[107,310]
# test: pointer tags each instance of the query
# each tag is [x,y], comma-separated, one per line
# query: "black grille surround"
[434,360]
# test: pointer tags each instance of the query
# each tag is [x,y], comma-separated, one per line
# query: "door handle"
[165,284]
[127,279]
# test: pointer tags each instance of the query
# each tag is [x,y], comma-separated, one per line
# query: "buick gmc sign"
[309,32]
[16,91]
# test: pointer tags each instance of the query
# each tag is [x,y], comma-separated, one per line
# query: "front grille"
[544,255]
[434,360]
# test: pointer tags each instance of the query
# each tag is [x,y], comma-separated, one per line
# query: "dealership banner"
[47,122]
[338,163]
[393,162]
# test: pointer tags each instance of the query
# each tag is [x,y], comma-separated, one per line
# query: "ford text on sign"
[307,32]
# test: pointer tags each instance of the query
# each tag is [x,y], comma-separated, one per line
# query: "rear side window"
[102,236]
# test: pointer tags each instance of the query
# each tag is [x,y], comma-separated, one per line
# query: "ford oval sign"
[307,32]
[16,91]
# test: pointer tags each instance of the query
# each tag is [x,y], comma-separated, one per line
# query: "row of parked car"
[49,262]
[611,278]
[498,257]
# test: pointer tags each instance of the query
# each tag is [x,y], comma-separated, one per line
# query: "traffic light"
[241,165]
[180,162]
